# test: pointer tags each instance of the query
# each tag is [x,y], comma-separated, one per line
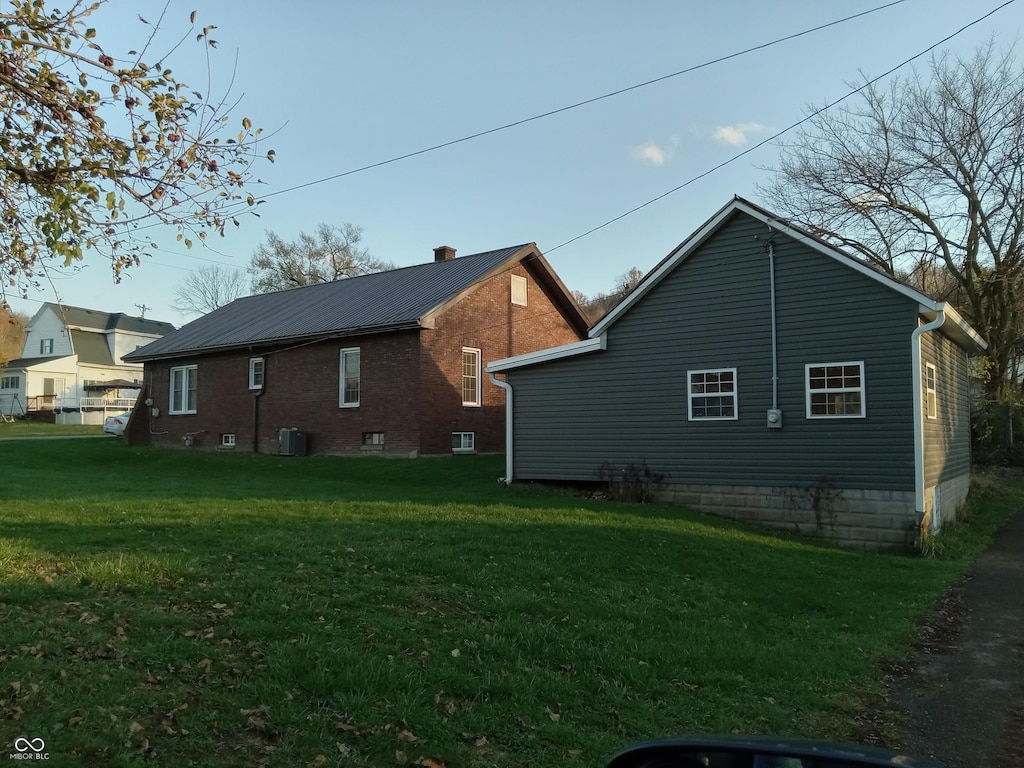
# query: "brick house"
[389,362]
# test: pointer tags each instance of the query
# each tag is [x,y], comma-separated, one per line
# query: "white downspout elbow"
[915,343]
[507,479]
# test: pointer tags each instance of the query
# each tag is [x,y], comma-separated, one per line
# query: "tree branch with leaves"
[94,147]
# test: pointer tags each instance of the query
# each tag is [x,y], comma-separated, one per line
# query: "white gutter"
[507,479]
[915,355]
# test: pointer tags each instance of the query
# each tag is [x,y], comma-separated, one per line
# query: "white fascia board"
[546,355]
[954,326]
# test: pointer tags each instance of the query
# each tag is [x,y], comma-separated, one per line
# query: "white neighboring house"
[71,364]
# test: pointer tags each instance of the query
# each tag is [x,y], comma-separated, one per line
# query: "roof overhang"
[547,355]
[139,356]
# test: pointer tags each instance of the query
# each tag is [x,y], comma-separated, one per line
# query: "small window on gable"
[46,346]
[255,373]
[712,394]
[519,290]
[835,390]
[463,442]
[470,376]
[931,397]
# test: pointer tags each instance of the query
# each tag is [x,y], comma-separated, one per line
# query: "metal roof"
[397,298]
[108,321]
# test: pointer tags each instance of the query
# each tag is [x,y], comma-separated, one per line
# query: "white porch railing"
[113,403]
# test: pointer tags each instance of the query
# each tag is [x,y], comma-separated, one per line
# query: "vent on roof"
[444,253]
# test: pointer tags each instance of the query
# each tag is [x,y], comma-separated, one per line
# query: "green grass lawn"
[173,608]
[29,428]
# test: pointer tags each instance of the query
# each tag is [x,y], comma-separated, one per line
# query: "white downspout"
[915,344]
[507,479]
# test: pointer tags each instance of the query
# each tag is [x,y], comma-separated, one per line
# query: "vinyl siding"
[629,403]
[947,438]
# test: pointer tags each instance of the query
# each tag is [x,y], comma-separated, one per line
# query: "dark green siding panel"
[947,438]
[629,404]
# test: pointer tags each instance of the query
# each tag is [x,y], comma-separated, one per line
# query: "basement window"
[227,440]
[463,442]
[373,441]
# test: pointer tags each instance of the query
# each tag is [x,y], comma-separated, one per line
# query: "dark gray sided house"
[771,378]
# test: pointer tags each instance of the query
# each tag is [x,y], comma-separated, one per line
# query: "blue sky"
[346,84]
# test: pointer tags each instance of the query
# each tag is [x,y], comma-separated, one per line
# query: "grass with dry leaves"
[181,608]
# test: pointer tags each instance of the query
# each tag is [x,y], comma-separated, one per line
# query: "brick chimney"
[443,253]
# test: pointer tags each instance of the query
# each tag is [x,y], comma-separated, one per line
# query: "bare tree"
[602,303]
[926,178]
[331,253]
[209,288]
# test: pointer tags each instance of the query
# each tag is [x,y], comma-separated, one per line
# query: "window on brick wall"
[348,397]
[463,442]
[184,388]
[470,376]
[255,373]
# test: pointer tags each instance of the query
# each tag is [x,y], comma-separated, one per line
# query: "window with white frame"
[184,383]
[470,376]
[348,397]
[255,373]
[10,382]
[712,394]
[835,390]
[46,346]
[373,439]
[463,442]
[227,440]
[931,397]
[519,290]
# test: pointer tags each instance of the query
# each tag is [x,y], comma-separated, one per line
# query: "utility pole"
[142,309]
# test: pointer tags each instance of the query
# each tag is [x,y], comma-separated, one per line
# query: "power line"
[773,137]
[583,103]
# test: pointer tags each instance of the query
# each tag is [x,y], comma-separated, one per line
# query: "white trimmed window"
[835,390]
[470,376]
[348,396]
[184,383]
[519,290]
[463,442]
[227,440]
[712,394]
[46,346]
[373,439]
[931,396]
[10,382]
[255,373]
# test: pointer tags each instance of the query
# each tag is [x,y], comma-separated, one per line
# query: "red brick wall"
[486,320]
[410,388]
